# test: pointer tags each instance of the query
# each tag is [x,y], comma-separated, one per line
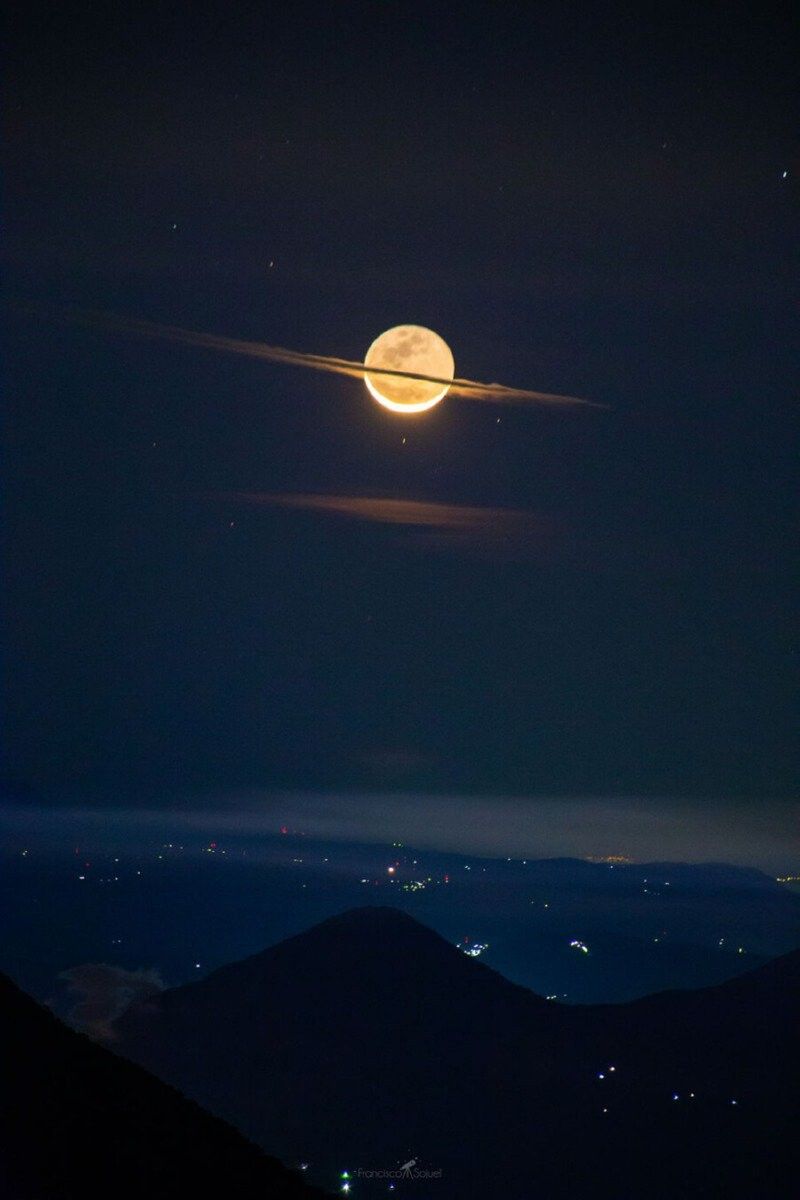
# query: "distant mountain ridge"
[649,926]
[369,1039]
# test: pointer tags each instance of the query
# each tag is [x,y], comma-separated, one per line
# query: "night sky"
[578,200]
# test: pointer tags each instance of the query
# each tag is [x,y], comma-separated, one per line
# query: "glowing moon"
[409,348]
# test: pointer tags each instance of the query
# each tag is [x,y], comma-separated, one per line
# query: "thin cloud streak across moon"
[467,388]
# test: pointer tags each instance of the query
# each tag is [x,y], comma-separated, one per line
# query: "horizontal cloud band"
[469,388]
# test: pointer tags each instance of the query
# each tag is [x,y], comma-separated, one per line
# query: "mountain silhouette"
[78,1121]
[369,1040]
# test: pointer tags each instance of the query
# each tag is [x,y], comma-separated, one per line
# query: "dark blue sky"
[582,200]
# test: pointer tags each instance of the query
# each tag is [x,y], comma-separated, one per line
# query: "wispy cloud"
[649,829]
[510,531]
[469,388]
[103,992]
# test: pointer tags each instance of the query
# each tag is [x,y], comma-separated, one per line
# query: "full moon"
[417,350]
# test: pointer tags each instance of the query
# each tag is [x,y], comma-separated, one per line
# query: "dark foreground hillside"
[79,1122]
[369,1040]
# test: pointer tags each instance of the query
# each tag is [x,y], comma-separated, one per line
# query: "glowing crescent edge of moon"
[394,405]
